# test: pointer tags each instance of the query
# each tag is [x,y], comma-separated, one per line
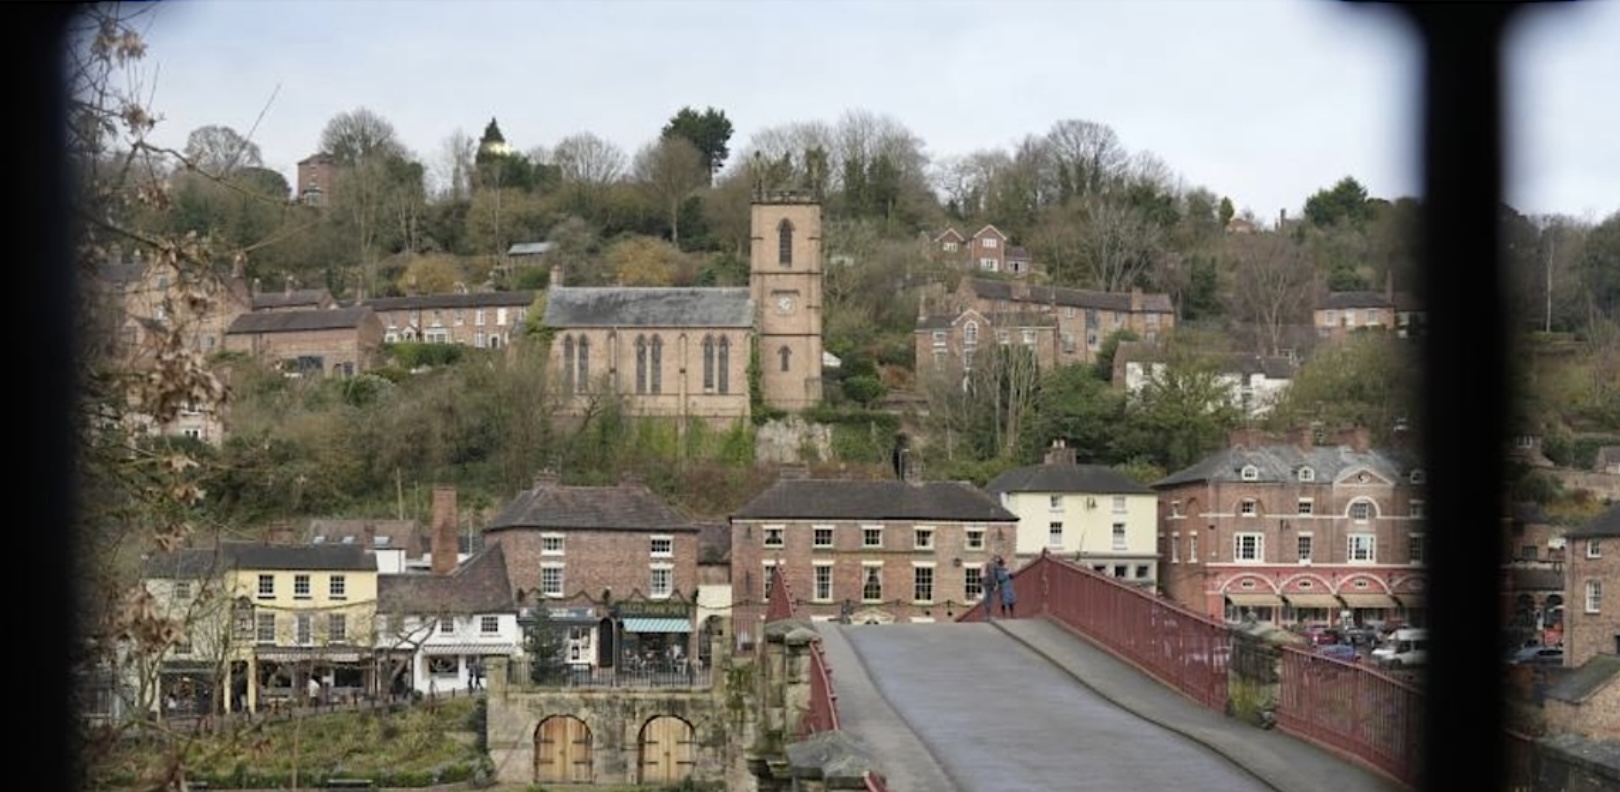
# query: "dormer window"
[1250,473]
[1307,474]
[1416,476]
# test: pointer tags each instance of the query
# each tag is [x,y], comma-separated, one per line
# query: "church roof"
[649,307]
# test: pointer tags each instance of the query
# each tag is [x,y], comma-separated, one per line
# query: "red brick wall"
[619,560]
[1586,634]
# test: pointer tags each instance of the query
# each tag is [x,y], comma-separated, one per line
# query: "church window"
[568,364]
[724,373]
[784,243]
[786,355]
[641,364]
[657,373]
[708,363]
[582,379]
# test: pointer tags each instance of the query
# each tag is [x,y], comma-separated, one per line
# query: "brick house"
[1295,531]
[317,175]
[1591,623]
[879,551]
[1091,513]
[684,352]
[486,320]
[599,555]
[337,341]
[1533,554]
[291,299]
[438,626]
[1071,327]
[1340,313]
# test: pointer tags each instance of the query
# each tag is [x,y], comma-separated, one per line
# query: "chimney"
[1060,453]
[279,533]
[368,534]
[545,478]
[556,280]
[1389,287]
[1359,439]
[1242,437]
[444,530]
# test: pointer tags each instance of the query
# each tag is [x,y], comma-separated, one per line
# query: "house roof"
[812,499]
[1020,253]
[1354,299]
[479,585]
[627,506]
[1593,675]
[405,534]
[649,307]
[467,300]
[1278,463]
[197,562]
[990,228]
[950,231]
[1606,524]
[288,299]
[1099,479]
[1059,295]
[528,249]
[298,321]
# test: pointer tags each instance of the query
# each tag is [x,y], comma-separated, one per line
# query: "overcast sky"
[1265,101]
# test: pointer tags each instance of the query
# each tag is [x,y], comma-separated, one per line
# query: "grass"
[412,747]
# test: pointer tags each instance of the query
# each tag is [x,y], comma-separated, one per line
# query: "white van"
[1406,647]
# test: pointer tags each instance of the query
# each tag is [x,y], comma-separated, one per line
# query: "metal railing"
[663,674]
[1352,709]
[822,710]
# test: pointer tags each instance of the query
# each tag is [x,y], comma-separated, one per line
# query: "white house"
[437,629]
[1254,383]
[1090,513]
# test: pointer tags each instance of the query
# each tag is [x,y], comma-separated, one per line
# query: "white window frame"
[666,541]
[656,571]
[337,587]
[1414,509]
[489,625]
[1119,504]
[562,580]
[1361,548]
[816,533]
[1372,509]
[1121,537]
[1249,507]
[923,537]
[1305,507]
[973,589]
[560,541]
[989,243]
[1192,547]
[1594,596]
[1055,503]
[1175,547]
[267,587]
[866,574]
[773,536]
[1257,555]
[1593,550]
[337,628]
[1305,547]
[867,532]
[304,629]
[1249,473]
[940,338]
[264,628]
[1054,534]
[933,582]
[303,586]
[818,592]
[1307,474]
[974,538]
[1415,548]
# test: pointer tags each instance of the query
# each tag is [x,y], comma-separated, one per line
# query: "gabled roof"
[298,321]
[622,507]
[1060,478]
[253,555]
[1281,463]
[820,499]
[479,585]
[950,231]
[1020,253]
[452,301]
[990,228]
[288,299]
[1606,524]
[649,307]
[1578,685]
[1119,302]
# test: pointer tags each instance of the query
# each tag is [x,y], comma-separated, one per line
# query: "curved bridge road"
[967,708]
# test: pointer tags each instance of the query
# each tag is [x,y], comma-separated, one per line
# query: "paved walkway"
[1025,705]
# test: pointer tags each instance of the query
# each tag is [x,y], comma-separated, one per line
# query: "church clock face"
[784,303]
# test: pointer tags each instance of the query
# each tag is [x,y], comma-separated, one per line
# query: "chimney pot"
[545,478]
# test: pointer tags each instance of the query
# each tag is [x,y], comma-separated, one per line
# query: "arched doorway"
[667,751]
[562,751]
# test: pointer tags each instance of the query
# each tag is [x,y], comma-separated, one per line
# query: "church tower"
[785,284]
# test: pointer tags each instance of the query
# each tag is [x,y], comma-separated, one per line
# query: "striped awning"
[649,625]
[1313,601]
[1254,600]
[1368,600]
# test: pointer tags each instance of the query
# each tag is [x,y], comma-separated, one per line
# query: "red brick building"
[317,175]
[1592,578]
[881,551]
[1293,531]
[337,341]
[608,556]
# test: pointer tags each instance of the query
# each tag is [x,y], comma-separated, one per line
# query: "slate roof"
[1592,676]
[1100,479]
[1006,320]
[1281,463]
[478,586]
[649,307]
[288,299]
[452,301]
[299,321]
[199,562]
[1338,301]
[1080,298]
[406,534]
[820,499]
[1606,524]
[622,507]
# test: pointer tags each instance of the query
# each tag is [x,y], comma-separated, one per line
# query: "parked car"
[1405,647]
[1538,655]
[1345,652]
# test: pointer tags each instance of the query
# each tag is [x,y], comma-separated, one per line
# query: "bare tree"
[788,142]
[220,150]
[1272,284]
[1100,243]
[1087,156]
[585,158]
[671,170]
[359,135]
[453,169]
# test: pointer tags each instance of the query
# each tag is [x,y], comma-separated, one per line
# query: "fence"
[665,674]
[1354,710]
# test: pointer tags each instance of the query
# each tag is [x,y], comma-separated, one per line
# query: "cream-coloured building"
[1090,513]
[685,352]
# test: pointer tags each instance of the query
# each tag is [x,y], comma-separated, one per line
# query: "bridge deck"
[1024,705]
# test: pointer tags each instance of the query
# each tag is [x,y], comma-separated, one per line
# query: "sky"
[1264,101]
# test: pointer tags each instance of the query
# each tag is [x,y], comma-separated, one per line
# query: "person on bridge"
[988,582]
[1004,584]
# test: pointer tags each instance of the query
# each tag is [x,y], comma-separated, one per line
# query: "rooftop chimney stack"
[545,478]
[368,535]
[444,530]
[1060,453]
[279,533]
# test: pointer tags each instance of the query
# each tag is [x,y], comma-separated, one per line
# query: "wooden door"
[562,751]
[667,750]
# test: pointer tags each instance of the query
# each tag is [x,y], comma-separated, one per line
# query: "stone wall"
[793,441]
[1572,764]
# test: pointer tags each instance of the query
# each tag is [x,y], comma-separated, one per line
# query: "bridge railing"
[1353,709]
[1186,650]
[822,709]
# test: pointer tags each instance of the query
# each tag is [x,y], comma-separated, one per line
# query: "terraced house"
[1289,530]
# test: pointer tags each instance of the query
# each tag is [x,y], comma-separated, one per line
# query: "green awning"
[648,625]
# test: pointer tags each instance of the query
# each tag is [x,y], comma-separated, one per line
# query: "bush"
[413,355]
